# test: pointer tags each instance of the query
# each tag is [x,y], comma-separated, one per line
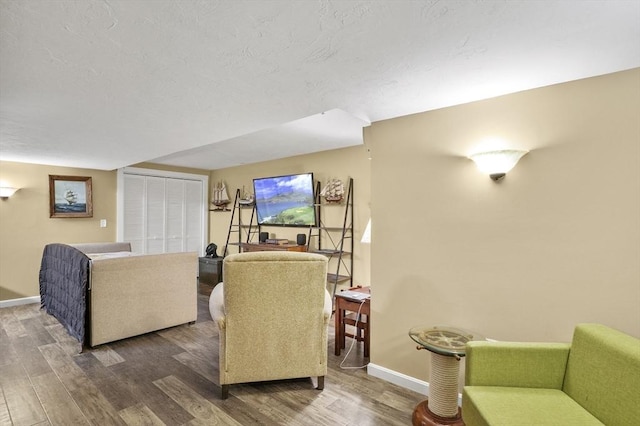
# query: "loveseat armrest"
[516,364]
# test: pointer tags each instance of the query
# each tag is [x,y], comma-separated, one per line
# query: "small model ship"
[220,197]
[70,196]
[247,198]
[333,191]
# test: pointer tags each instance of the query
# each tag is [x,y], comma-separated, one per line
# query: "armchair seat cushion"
[508,406]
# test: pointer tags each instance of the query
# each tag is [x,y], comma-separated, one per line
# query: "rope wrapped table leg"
[443,386]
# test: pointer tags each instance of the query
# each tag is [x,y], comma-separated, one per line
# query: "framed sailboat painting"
[70,196]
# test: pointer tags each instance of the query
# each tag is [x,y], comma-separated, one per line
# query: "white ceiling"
[213,84]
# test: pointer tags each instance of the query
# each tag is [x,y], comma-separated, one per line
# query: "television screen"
[285,200]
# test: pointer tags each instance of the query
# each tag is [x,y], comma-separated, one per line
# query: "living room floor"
[169,377]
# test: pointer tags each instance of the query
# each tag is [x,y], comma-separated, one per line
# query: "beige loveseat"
[101,292]
[272,312]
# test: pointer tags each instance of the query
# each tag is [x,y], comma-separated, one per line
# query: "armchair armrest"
[516,364]
[328,307]
[216,306]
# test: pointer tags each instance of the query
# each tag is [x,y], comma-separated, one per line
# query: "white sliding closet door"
[162,212]
[176,219]
[155,212]
[196,214]
[133,221]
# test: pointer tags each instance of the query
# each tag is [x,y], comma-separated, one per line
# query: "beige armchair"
[273,312]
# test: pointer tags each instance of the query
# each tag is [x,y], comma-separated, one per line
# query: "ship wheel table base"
[447,346]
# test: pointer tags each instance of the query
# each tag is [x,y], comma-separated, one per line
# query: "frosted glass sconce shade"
[6,192]
[497,163]
[366,236]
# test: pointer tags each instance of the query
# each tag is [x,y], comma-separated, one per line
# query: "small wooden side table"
[362,323]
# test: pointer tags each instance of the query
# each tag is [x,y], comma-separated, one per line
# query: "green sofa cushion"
[524,365]
[603,373]
[509,406]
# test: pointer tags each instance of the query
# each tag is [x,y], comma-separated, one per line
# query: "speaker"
[263,237]
[301,239]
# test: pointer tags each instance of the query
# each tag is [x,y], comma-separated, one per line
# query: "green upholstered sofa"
[595,380]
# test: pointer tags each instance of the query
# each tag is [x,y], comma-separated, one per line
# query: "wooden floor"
[169,377]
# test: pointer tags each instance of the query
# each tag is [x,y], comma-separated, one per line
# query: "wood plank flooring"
[169,378]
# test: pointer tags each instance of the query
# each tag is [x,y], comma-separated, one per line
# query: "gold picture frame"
[70,196]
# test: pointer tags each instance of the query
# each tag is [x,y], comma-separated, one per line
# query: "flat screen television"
[285,200]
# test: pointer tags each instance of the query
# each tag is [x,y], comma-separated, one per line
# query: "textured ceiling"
[212,84]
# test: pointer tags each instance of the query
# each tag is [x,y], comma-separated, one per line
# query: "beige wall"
[342,163]
[554,244]
[25,225]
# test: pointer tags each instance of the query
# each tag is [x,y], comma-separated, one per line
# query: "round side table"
[447,346]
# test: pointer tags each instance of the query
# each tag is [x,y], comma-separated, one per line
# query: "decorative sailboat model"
[333,191]
[246,198]
[220,197]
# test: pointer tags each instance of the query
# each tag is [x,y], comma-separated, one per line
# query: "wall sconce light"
[6,192]
[366,235]
[497,163]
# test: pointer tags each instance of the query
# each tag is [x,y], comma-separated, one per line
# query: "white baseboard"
[401,380]
[21,301]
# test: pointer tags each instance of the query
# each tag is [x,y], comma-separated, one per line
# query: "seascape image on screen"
[285,200]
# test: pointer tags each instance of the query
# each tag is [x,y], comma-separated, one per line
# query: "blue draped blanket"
[64,279]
